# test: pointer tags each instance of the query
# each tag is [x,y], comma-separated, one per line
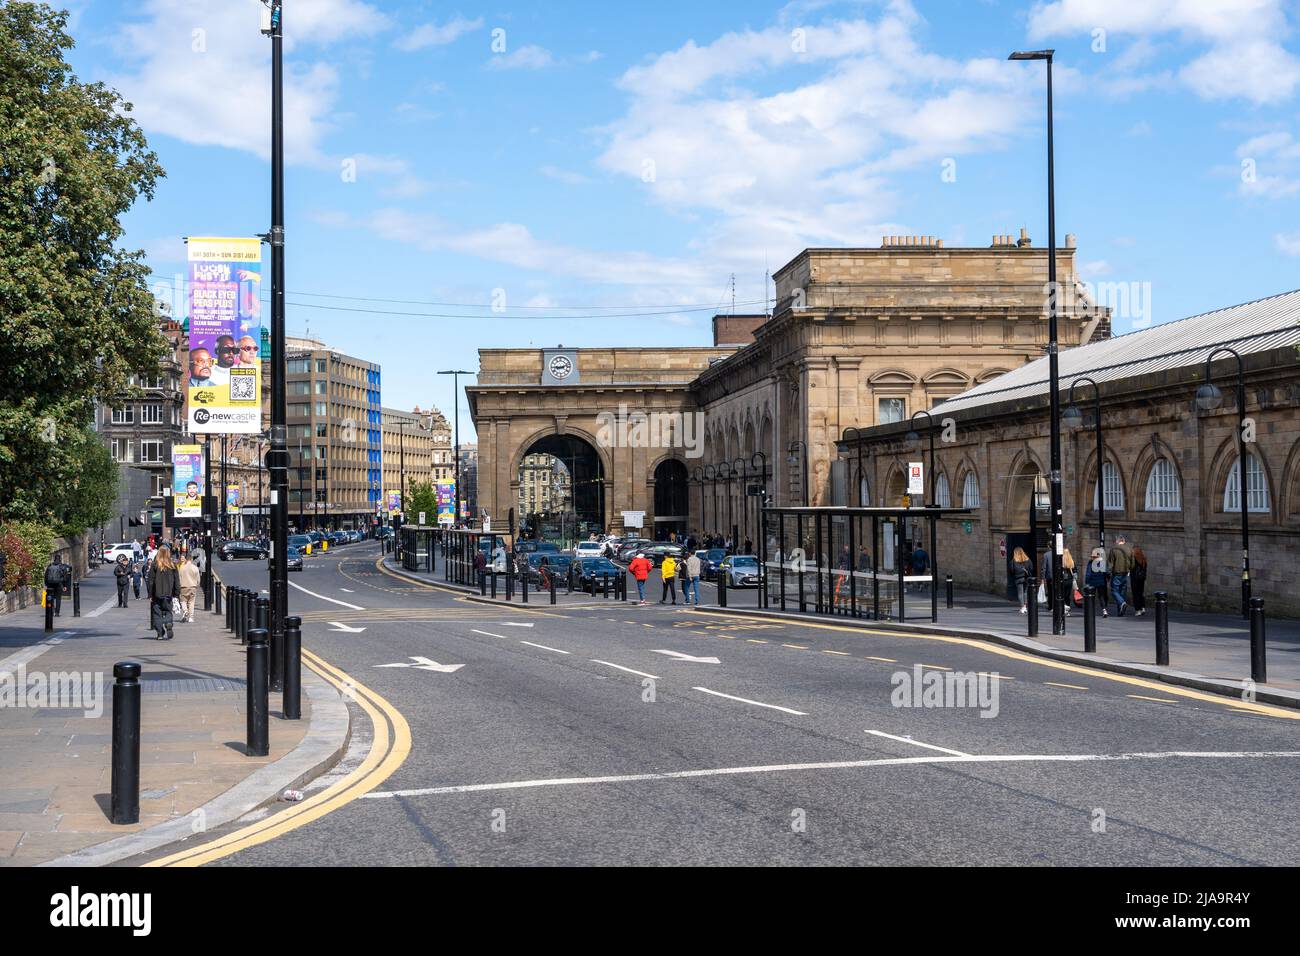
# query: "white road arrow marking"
[679,656]
[424,664]
[343,628]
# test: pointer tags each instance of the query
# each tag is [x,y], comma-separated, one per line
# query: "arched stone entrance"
[571,471]
[672,499]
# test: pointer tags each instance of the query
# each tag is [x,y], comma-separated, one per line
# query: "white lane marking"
[425,664]
[628,669]
[512,624]
[544,647]
[679,656]
[746,700]
[489,634]
[110,602]
[917,743]
[346,590]
[829,765]
[27,654]
[344,628]
[324,598]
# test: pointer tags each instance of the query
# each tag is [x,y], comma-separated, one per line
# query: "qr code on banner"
[243,386]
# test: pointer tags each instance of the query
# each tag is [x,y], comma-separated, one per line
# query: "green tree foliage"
[421,497]
[27,546]
[76,315]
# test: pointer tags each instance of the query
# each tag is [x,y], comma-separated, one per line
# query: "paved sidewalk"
[55,762]
[1213,646]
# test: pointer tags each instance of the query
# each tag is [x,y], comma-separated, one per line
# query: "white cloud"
[1246,59]
[808,164]
[392,174]
[1098,267]
[1288,243]
[525,58]
[199,70]
[1270,166]
[431,34]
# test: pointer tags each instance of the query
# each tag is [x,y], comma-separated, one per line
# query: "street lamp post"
[1058,531]
[1208,399]
[727,477]
[857,437]
[791,459]
[698,475]
[912,435]
[456,373]
[744,500]
[1074,419]
[278,460]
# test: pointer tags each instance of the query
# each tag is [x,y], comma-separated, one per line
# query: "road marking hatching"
[324,598]
[829,765]
[622,668]
[746,700]
[917,743]
[544,647]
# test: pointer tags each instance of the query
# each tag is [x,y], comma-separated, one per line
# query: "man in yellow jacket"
[669,572]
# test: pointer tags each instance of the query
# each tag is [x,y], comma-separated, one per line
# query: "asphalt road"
[570,737]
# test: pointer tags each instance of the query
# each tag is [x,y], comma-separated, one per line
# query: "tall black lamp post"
[912,435]
[698,475]
[1053,365]
[1074,419]
[741,473]
[1208,399]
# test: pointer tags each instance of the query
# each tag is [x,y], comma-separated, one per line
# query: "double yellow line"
[390,747]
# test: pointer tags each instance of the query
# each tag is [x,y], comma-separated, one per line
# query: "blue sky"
[578,162]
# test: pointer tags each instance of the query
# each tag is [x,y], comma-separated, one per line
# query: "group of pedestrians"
[1118,575]
[686,570]
[171,581]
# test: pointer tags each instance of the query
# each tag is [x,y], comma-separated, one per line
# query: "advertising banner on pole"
[232,499]
[446,503]
[187,481]
[224,377]
[394,501]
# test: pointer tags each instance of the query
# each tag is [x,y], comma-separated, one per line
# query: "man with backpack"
[54,584]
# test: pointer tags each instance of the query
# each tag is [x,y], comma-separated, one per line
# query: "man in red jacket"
[640,568]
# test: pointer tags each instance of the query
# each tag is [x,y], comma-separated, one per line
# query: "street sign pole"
[278,457]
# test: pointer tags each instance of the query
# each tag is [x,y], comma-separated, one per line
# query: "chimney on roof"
[1024,242]
[1069,240]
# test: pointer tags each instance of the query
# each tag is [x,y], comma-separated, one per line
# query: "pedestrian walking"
[1069,582]
[1095,576]
[1121,563]
[668,572]
[54,584]
[188,573]
[164,586]
[480,566]
[1023,573]
[122,576]
[693,568]
[1137,579]
[640,567]
[137,576]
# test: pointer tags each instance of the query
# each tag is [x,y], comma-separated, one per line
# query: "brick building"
[1170,473]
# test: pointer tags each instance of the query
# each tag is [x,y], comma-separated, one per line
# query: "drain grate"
[193,685]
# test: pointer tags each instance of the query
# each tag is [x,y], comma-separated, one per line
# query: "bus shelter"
[418,544]
[856,562]
[459,546]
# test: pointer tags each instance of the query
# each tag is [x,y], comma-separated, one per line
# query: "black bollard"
[1089,620]
[622,586]
[275,644]
[76,599]
[241,616]
[216,589]
[722,588]
[551,579]
[510,580]
[124,800]
[604,585]
[292,668]
[1162,628]
[258,705]
[523,585]
[1258,672]
[948,588]
[482,584]
[49,610]
[1031,605]
[494,585]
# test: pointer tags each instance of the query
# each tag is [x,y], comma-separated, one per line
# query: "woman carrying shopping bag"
[164,587]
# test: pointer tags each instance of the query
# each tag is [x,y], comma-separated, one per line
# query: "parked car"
[293,559]
[741,570]
[586,572]
[129,548]
[233,550]
[302,542]
[532,547]
[657,552]
[338,538]
[557,565]
[710,562]
[383,531]
[632,547]
[588,549]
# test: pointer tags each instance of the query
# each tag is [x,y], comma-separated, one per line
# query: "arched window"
[1163,491]
[1256,487]
[942,496]
[970,492]
[1114,488]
